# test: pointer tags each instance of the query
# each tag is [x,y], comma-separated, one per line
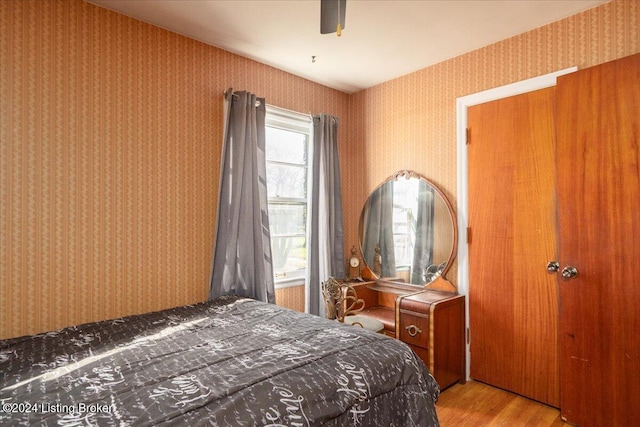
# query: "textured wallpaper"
[110,134]
[410,122]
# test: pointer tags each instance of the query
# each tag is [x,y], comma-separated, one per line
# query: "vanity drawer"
[423,354]
[414,329]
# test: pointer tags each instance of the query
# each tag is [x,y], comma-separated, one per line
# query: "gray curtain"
[242,263]
[325,253]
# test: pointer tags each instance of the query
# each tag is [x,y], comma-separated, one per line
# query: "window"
[288,139]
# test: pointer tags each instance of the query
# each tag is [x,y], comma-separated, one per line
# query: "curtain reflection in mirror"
[424,231]
[378,229]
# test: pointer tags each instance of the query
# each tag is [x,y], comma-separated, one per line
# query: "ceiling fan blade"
[329,15]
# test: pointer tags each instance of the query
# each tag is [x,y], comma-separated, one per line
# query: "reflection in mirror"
[411,223]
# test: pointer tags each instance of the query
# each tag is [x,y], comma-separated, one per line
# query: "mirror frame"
[440,283]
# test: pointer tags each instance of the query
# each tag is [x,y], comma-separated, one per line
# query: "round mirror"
[407,230]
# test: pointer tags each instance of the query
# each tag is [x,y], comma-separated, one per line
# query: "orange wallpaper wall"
[110,146]
[410,122]
[110,135]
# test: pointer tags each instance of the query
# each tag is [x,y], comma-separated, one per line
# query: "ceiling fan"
[332,16]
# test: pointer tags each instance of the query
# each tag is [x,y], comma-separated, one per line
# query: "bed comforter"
[229,362]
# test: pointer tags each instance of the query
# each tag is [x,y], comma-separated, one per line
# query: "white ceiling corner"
[382,39]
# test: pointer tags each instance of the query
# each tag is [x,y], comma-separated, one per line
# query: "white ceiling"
[382,39]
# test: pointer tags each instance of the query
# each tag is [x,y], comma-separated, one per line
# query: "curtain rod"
[235,96]
[224,92]
[312,116]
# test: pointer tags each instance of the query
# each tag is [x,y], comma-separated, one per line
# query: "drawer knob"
[413,330]
[569,272]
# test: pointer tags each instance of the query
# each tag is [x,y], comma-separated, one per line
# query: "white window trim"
[292,119]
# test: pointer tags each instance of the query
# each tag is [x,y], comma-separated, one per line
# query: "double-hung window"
[288,141]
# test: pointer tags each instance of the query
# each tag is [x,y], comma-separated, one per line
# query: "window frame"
[292,121]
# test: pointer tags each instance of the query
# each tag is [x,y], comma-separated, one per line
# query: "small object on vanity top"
[377,261]
[354,267]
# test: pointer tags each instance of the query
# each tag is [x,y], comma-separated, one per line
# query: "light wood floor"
[475,404]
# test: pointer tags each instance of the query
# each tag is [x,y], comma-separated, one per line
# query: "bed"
[229,362]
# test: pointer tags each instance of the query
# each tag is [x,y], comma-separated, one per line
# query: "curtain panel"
[325,253]
[242,262]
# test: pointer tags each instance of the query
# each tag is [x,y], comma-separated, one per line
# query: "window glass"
[286,180]
[286,146]
[288,219]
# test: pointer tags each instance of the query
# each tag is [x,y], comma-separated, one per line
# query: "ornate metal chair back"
[340,299]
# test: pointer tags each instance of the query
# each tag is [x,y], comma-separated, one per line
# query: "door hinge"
[468,235]
[468,136]
[468,337]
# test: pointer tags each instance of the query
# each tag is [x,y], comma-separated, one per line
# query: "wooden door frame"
[462,104]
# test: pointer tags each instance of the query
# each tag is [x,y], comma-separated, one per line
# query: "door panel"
[512,299]
[599,222]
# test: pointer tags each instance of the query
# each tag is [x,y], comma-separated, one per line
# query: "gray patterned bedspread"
[229,362]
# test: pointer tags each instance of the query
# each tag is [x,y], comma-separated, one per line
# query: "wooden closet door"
[512,299]
[598,167]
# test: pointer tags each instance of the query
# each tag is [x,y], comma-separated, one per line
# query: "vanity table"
[431,322]
[409,223]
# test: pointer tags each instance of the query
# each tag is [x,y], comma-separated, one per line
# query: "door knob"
[569,272]
[553,267]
